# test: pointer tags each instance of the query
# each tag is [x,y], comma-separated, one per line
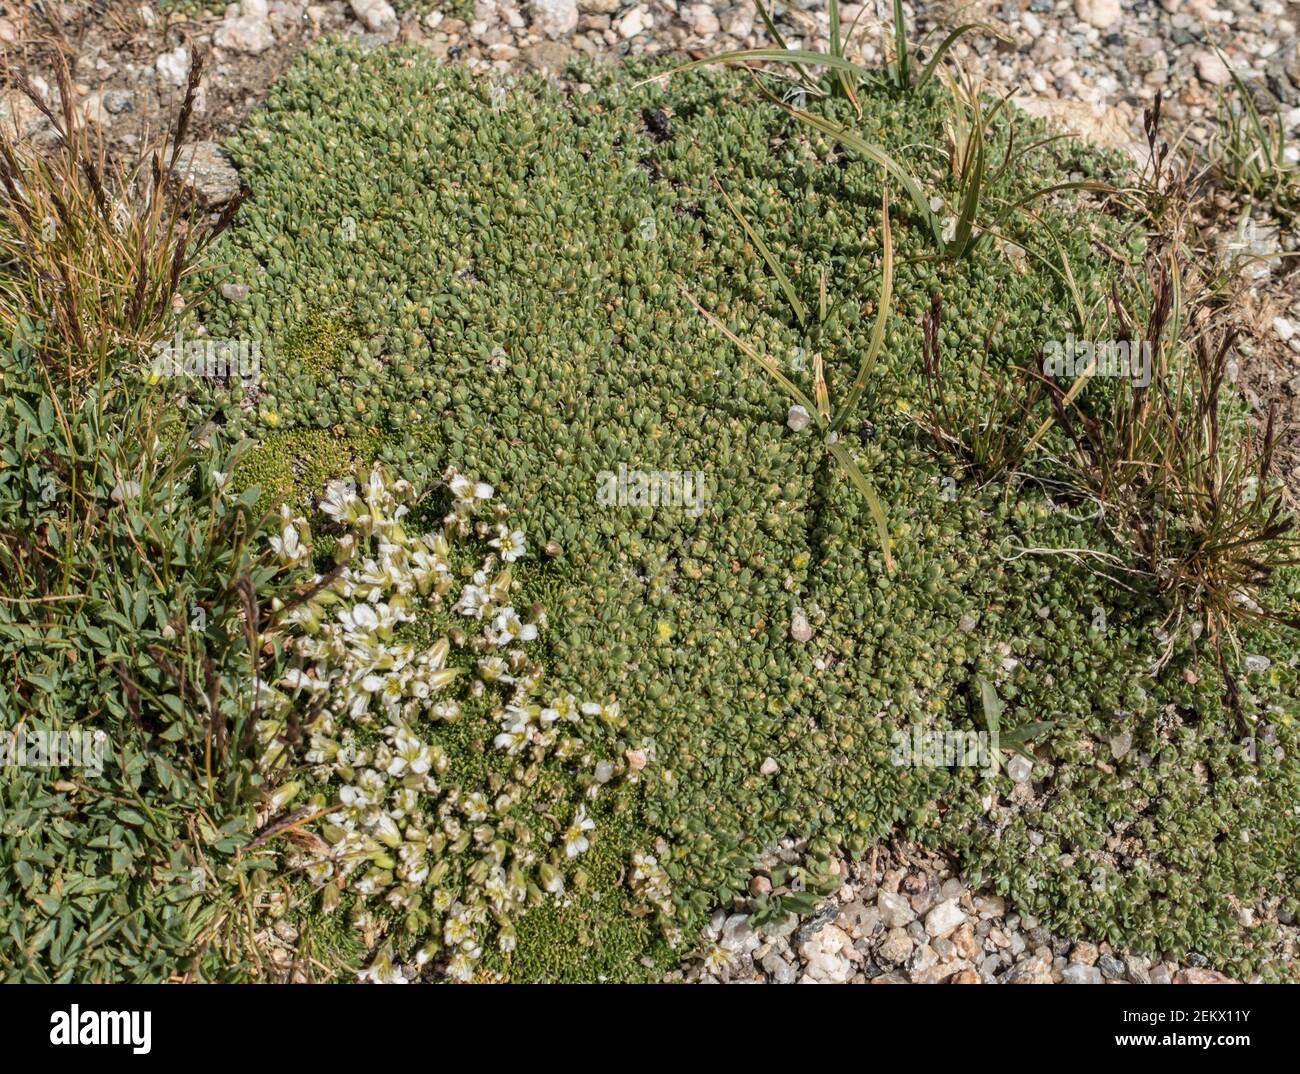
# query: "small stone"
[944,918]
[246,33]
[769,767]
[554,18]
[8,32]
[966,977]
[234,292]
[896,948]
[798,419]
[760,886]
[377,16]
[1284,328]
[118,101]
[704,23]
[738,936]
[633,23]
[174,67]
[800,629]
[1120,745]
[894,910]
[1078,973]
[738,22]
[1210,69]
[92,108]
[1084,953]
[1111,967]
[778,970]
[205,168]
[823,956]
[1098,13]
[1019,768]
[1137,971]
[19,115]
[1199,976]
[922,960]
[547,56]
[963,939]
[858,919]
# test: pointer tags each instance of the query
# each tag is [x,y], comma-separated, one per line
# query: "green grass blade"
[972,179]
[902,64]
[837,50]
[872,152]
[800,310]
[961,31]
[766,364]
[776,35]
[877,341]
[868,490]
[794,57]
[992,706]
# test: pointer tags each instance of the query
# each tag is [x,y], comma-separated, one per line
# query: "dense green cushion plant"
[507,268]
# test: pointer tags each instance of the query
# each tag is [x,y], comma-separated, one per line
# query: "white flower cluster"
[650,885]
[372,690]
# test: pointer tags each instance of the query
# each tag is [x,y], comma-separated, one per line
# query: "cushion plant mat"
[448,273]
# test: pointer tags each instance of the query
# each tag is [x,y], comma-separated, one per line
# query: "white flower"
[340,501]
[475,807]
[575,837]
[514,731]
[474,597]
[607,711]
[717,959]
[508,627]
[382,975]
[465,489]
[509,544]
[359,619]
[493,669]
[410,755]
[949,228]
[460,967]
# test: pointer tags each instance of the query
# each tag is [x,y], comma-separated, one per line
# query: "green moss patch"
[513,278]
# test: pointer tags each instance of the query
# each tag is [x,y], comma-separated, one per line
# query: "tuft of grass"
[97,252]
[1178,477]
[1248,151]
[980,416]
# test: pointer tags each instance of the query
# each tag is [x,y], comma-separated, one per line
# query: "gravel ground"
[903,916]
[1091,65]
